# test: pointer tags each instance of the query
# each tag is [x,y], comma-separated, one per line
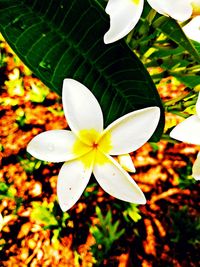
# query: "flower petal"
[158,6]
[133,130]
[1,222]
[55,146]
[126,162]
[188,130]
[198,100]
[196,7]
[192,29]
[116,181]
[180,10]
[81,108]
[196,168]
[124,15]
[73,179]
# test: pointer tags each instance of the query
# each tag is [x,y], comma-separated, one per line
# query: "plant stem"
[179,113]
[173,101]
[167,138]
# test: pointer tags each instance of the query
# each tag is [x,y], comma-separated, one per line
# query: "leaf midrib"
[77,49]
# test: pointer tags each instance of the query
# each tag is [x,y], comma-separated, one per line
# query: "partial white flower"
[125,14]
[192,29]
[1,222]
[88,148]
[189,131]
[126,162]
[196,168]
[180,10]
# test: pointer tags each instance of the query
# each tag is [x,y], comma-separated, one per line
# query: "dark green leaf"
[173,30]
[189,80]
[197,45]
[60,39]
[161,52]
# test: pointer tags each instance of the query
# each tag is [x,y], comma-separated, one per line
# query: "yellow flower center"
[196,11]
[91,142]
[195,7]
[89,137]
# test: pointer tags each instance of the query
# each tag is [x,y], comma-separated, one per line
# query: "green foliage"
[1,148]
[43,215]
[2,243]
[105,234]
[2,59]
[47,215]
[2,54]
[58,112]
[6,191]
[59,39]
[173,30]
[161,42]
[190,80]
[30,164]
[38,93]
[173,59]
[185,227]
[21,118]
[91,190]
[185,178]
[132,213]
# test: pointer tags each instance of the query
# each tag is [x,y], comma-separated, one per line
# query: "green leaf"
[189,80]
[133,212]
[161,52]
[6,191]
[60,39]
[196,45]
[173,30]
[43,215]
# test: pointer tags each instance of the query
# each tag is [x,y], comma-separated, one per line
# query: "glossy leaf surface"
[64,39]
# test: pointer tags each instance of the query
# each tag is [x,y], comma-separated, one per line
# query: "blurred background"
[99,230]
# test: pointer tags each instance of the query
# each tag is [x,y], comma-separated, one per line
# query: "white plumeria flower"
[188,131]
[192,29]
[88,148]
[125,14]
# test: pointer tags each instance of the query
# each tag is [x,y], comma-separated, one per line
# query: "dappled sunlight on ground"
[35,232]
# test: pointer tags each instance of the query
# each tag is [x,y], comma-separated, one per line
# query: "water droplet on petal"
[51,147]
